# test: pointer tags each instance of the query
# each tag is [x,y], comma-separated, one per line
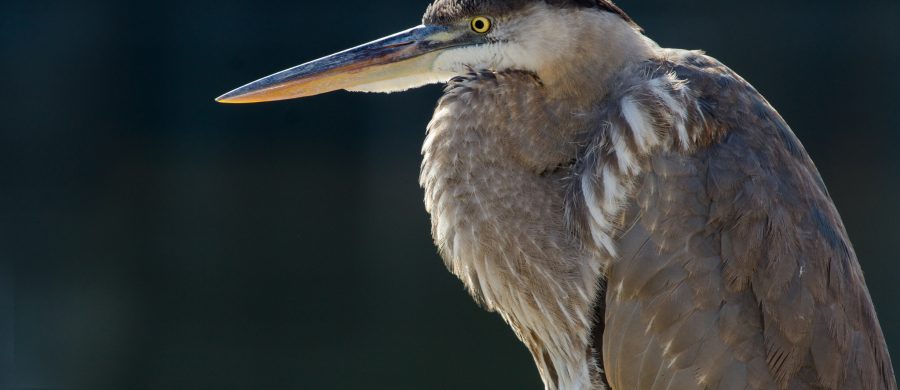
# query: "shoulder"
[703,72]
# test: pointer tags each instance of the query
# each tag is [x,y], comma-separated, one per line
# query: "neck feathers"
[587,50]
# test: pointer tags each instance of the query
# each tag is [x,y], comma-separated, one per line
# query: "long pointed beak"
[405,54]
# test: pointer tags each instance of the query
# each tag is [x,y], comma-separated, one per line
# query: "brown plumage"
[640,216]
[734,266]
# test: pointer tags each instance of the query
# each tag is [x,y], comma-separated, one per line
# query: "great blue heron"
[640,216]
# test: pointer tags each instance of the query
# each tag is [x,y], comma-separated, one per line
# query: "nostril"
[401,44]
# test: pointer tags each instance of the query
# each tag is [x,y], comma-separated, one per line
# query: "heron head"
[545,37]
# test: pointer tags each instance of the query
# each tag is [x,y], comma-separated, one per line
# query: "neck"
[591,55]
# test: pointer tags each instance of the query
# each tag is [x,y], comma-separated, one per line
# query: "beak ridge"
[365,64]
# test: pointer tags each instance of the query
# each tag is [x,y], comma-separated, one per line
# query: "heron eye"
[480,24]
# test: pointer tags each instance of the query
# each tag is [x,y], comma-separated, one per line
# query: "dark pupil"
[479,24]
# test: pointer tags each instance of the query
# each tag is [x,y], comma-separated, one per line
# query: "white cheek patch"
[459,60]
[501,56]
[404,83]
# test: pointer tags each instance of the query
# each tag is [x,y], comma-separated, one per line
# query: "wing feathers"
[734,270]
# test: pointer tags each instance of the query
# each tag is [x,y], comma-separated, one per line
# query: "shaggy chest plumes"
[523,256]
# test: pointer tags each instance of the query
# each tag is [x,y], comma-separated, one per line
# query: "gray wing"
[735,270]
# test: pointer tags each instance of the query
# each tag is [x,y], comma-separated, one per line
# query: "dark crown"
[448,11]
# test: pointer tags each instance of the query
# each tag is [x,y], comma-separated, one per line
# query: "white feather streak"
[644,134]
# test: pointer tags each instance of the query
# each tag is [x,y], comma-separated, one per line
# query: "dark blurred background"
[152,239]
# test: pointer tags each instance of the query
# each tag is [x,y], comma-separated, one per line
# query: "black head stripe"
[448,11]
[611,7]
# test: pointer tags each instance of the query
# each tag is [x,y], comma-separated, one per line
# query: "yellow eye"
[480,24]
